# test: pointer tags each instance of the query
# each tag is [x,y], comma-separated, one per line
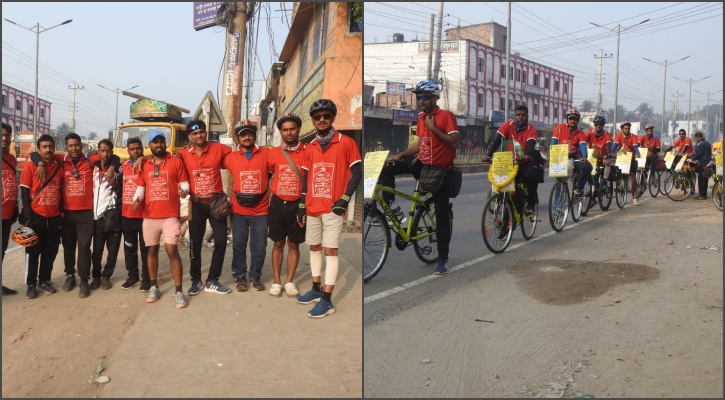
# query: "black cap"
[289,117]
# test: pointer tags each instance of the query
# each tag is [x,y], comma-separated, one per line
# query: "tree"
[586,106]
[63,129]
[644,112]
[92,135]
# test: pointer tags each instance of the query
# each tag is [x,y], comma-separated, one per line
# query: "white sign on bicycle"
[681,163]
[642,160]
[624,160]
[374,162]
[669,158]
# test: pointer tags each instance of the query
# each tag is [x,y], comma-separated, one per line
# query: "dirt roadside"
[644,319]
[236,345]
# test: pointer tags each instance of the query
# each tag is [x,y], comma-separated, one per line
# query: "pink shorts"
[153,228]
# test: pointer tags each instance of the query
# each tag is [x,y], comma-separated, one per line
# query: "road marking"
[427,278]
[14,249]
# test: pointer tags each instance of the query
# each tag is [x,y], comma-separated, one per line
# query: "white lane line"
[427,278]
[14,249]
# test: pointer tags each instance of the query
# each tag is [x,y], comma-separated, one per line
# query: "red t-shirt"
[644,141]
[285,183]
[600,143]
[249,177]
[128,190]
[565,136]
[684,146]
[10,186]
[328,172]
[508,131]
[626,143]
[432,150]
[205,170]
[47,203]
[77,192]
[162,192]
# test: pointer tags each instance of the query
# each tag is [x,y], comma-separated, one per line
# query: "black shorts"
[633,166]
[282,221]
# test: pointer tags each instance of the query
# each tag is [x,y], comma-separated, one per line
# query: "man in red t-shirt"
[250,206]
[683,145]
[334,169]
[628,143]
[42,207]
[600,141]
[10,192]
[438,139]
[571,135]
[132,221]
[652,143]
[287,204]
[166,178]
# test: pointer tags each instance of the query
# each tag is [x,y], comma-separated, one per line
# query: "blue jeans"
[252,229]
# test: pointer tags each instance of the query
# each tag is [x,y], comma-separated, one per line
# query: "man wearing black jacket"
[702,154]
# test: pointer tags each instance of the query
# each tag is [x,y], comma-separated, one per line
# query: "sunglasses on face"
[598,124]
[325,116]
[422,98]
[76,173]
[194,127]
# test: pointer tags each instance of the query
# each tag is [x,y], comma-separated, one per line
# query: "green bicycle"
[420,231]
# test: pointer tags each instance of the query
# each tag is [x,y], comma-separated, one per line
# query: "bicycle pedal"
[426,250]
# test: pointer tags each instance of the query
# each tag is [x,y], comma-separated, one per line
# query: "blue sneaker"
[442,267]
[321,309]
[195,287]
[214,286]
[309,297]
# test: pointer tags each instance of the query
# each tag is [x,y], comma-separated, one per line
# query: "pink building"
[18,110]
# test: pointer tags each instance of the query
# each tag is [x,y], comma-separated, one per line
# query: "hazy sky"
[560,35]
[153,45]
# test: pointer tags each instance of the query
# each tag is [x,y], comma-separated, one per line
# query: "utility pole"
[73,109]
[601,58]
[117,91]
[707,111]
[677,96]
[437,67]
[508,63]
[689,101]
[665,64]
[430,47]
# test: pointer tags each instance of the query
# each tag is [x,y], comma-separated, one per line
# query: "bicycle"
[496,225]
[717,192]
[648,178]
[562,200]
[620,186]
[602,188]
[420,231]
[678,184]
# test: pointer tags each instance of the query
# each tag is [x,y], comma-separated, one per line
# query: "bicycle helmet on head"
[323,104]
[428,87]
[573,113]
[649,126]
[599,119]
[625,123]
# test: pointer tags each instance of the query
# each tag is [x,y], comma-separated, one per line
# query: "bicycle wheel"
[620,191]
[376,242]
[664,176]
[654,183]
[528,224]
[717,194]
[497,222]
[605,194]
[424,221]
[680,187]
[558,206]
[588,198]
[576,207]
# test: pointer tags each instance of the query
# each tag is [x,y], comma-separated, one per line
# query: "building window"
[546,111]
[18,105]
[30,109]
[17,128]
[42,113]
[303,60]
[536,79]
[356,17]
[503,71]
[511,73]
[325,17]
[511,104]
[556,85]
[566,88]
[556,112]
[516,103]
[523,78]
[500,104]
[536,110]
[518,75]
[480,100]
[480,65]
[5,101]
[546,83]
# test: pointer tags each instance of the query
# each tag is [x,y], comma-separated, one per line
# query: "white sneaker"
[291,290]
[276,290]
[635,202]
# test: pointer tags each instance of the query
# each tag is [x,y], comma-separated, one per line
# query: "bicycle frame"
[405,233]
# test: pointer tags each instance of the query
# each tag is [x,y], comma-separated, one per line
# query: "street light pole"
[616,79]
[664,91]
[707,111]
[37,52]
[689,101]
[117,91]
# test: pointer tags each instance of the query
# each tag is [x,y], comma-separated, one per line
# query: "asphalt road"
[405,281]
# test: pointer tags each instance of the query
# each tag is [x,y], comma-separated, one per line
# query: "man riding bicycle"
[570,134]
[652,143]
[600,141]
[629,144]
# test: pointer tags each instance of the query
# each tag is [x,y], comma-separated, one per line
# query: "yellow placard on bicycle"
[558,160]
[681,163]
[718,164]
[669,158]
[502,169]
[592,157]
[642,160]
[372,165]
[624,160]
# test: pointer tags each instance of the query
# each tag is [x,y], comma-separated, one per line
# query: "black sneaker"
[106,283]
[504,232]
[242,285]
[131,282]
[7,291]
[257,285]
[145,286]
[96,283]
[84,290]
[70,283]
[31,293]
[47,287]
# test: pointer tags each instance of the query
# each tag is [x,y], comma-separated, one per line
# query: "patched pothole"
[565,282]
